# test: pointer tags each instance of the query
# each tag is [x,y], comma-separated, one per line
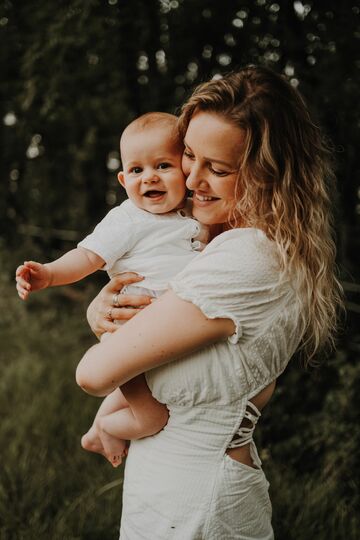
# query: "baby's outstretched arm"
[73,266]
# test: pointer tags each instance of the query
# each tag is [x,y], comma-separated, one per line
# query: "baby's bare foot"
[98,441]
[115,460]
[116,452]
[91,442]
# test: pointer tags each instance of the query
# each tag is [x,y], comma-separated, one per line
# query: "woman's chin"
[208,215]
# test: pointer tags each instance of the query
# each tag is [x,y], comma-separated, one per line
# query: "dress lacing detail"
[244,435]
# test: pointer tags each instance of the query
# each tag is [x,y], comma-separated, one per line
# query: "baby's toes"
[115,460]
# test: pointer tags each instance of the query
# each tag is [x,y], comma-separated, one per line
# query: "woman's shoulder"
[244,246]
[237,276]
[239,256]
[241,237]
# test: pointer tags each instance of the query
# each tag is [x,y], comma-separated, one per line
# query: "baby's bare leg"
[129,413]
[144,415]
[113,402]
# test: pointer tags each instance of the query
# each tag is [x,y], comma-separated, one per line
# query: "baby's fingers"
[23,292]
[33,267]
[22,271]
[22,282]
[22,278]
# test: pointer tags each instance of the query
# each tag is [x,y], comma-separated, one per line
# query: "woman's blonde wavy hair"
[284,186]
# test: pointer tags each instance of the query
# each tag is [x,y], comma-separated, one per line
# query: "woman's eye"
[163,165]
[188,154]
[216,172]
[136,170]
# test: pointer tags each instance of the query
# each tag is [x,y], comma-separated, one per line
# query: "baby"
[151,233]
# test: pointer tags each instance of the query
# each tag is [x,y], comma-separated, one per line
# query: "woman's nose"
[195,178]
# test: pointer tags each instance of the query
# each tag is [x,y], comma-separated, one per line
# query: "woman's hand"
[109,305]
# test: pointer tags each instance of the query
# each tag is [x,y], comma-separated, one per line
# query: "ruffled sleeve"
[235,277]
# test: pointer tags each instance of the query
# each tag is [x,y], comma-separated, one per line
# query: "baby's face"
[152,174]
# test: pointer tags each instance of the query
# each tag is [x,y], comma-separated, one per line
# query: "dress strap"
[244,434]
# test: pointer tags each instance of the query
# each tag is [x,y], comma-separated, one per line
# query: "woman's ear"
[121,178]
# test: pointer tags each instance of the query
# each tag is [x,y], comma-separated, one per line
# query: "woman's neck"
[217,229]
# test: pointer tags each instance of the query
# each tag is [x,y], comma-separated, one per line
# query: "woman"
[233,318]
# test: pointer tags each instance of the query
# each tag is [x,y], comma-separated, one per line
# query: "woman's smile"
[201,200]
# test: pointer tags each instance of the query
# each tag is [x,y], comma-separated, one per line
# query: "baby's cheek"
[185,166]
[182,185]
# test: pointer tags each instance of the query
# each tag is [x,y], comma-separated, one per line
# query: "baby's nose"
[150,177]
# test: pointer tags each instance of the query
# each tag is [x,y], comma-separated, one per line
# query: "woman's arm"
[163,331]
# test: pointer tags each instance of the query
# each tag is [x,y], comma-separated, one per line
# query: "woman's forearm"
[165,330]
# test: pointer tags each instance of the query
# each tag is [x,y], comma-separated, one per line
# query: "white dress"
[180,484]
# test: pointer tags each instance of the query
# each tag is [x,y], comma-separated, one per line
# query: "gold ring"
[115,300]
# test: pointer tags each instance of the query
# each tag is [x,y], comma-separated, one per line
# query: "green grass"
[51,489]
[311,433]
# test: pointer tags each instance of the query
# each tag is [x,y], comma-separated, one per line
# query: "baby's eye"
[136,170]
[188,154]
[164,165]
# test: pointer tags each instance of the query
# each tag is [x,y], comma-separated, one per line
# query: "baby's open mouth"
[153,193]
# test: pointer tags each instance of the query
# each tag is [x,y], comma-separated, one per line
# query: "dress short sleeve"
[235,277]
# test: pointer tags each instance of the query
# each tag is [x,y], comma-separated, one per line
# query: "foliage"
[78,72]
[49,487]
[311,438]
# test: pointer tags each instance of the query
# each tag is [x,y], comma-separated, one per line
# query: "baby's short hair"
[155,119]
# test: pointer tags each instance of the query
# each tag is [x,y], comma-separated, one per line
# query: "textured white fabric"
[180,484]
[156,246]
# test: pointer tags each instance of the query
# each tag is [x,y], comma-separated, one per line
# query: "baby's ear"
[121,178]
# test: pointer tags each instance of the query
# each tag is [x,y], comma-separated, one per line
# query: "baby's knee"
[100,424]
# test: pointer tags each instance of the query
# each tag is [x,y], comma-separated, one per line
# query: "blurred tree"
[76,73]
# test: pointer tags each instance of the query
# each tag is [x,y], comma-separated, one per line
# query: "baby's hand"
[31,276]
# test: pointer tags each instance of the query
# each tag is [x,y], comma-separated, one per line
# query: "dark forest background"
[73,74]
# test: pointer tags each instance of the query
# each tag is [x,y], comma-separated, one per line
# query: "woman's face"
[211,163]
